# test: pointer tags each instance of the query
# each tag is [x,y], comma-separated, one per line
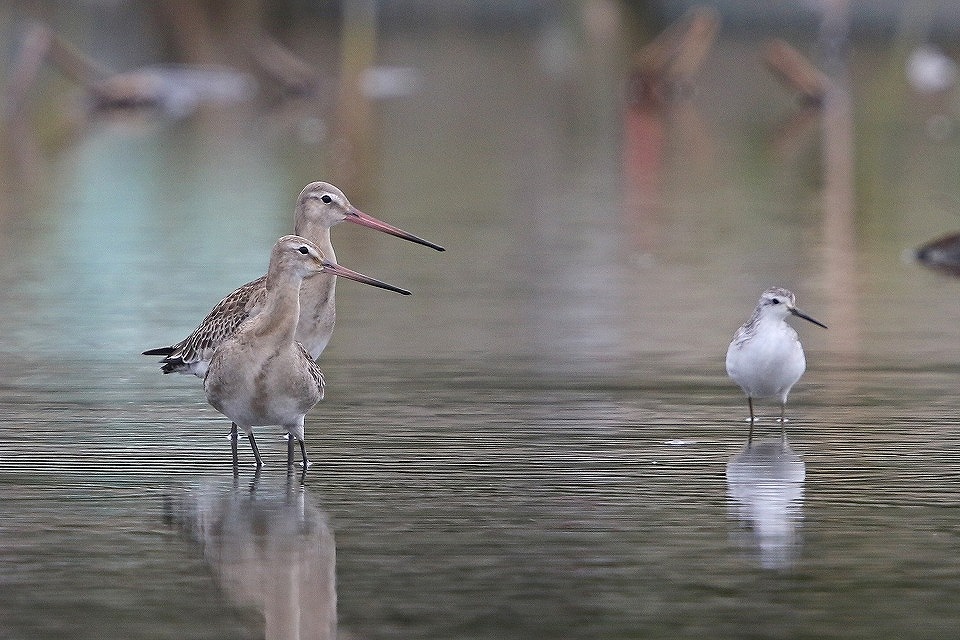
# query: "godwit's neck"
[278,320]
[318,234]
[317,293]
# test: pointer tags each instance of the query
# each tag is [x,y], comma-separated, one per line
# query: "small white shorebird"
[261,375]
[765,357]
[319,207]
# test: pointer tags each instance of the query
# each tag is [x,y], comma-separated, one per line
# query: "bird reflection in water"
[270,547]
[765,493]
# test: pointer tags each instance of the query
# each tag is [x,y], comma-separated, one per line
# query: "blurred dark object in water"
[795,71]
[294,75]
[942,254]
[664,68]
[798,74]
[176,90]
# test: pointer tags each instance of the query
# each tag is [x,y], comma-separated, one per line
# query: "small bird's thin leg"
[256,451]
[233,444]
[303,453]
[750,435]
[783,429]
[290,440]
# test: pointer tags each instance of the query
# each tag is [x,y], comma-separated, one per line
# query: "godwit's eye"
[304,250]
[775,301]
[326,199]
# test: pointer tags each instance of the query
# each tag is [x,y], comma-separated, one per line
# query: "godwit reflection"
[270,547]
[765,493]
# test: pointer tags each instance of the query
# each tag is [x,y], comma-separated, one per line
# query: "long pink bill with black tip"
[350,274]
[366,220]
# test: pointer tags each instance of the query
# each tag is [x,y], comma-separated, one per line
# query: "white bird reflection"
[765,493]
[270,547]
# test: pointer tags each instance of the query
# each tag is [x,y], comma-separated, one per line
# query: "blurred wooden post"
[827,95]
[839,196]
[662,75]
[358,54]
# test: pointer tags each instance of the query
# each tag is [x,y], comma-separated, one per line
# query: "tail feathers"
[159,351]
[173,362]
[172,367]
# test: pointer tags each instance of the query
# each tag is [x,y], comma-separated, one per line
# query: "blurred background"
[604,192]
[534,443]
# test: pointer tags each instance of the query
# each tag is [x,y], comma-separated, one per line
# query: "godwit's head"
[324,205]
[297,255]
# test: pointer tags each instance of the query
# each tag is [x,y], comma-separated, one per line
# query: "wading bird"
[765,357]
[261,375]
[319,207]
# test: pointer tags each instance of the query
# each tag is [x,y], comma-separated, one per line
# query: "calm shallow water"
[505,504]
[541,442]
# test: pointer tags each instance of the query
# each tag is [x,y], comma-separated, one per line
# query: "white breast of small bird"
[768,364]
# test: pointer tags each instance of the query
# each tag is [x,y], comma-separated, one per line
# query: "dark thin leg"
[290,440]
[256,451]
[750,435]
[783,422]
[303,453]
[233,444]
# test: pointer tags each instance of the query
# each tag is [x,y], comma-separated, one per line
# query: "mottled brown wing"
[221,323]
[314,370]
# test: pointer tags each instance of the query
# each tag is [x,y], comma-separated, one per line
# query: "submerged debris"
[177,90]
[942,254]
